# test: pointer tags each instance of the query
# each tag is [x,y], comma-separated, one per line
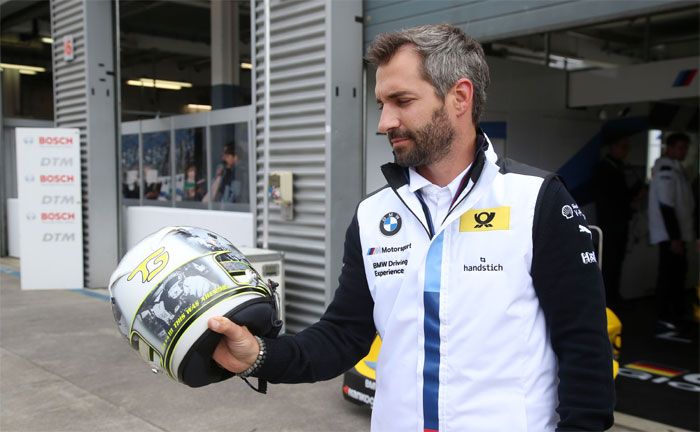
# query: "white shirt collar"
[418,182]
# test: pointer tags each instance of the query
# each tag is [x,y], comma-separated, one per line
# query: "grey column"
[84,98]
[225,55]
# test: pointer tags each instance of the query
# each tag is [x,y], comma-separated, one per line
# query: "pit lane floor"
[65,367]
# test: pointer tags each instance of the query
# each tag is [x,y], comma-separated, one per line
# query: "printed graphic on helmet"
[151,266]
[390,224]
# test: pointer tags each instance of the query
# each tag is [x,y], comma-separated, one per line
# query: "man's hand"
[677,247]
[237,349]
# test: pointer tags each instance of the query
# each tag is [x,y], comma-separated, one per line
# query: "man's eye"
[402,102]
[380,107]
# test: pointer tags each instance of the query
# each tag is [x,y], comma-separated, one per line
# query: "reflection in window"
[229,150]
[130,166]
[190,165]
[156,166]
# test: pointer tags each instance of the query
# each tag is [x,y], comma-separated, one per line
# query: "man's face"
[678,151]
[229,160]
[620,149]
[175,290]
[414,118]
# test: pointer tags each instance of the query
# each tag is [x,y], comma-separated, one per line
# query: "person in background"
[194,187]
[613,198]
[227,184]
[671,227]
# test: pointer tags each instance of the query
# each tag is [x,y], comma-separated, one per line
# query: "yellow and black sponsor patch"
[488,219]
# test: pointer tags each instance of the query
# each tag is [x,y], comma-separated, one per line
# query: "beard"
[431,143]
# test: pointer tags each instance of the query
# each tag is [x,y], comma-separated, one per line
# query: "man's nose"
[387,121]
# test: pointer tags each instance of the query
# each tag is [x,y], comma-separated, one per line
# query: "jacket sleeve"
[339,339]
[570,289]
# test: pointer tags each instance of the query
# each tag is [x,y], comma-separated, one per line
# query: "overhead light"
[199,107]
[246,66]
[47,40]
[22,68]
[158,83]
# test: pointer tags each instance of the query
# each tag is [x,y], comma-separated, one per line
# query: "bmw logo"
[390,224]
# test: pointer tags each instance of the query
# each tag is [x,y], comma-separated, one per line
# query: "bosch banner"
[48,186]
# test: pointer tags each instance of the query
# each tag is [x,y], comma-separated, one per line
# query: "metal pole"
[647,39]
[266,126]
[121,246]
[3,198]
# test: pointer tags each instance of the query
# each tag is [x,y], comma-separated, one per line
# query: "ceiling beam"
[144,42]
[18,12]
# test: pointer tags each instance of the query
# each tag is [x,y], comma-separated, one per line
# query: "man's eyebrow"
[397,95]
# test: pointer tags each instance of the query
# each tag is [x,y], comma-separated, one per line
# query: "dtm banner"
[48,185]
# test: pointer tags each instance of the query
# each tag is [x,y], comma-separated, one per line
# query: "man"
[487,298]
[670,226]
[226,186]
[613,198]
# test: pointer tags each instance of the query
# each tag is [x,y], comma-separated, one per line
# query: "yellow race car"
[359,383]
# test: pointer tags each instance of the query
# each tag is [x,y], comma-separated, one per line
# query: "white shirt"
[670,187]
[438,199]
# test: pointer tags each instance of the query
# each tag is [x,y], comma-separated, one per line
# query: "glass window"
[190,165]
[229,183]
[130,166]
[156,166]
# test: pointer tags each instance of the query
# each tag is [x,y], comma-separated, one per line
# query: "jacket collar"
[397,176]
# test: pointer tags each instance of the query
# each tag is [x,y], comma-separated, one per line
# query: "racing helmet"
[166,288]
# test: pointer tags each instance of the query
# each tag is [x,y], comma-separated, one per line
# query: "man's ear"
[462,97]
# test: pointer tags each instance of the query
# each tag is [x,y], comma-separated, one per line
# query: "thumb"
[225,327]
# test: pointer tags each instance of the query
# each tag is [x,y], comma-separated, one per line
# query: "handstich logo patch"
[488,219]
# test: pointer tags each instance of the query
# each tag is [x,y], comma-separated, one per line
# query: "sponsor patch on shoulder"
[588,257]
[488,219]
[571,210]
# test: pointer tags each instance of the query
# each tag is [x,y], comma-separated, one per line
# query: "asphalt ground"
[659,378]
[65,367]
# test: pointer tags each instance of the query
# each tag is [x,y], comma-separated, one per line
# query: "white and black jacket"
[670,203]
[492,321]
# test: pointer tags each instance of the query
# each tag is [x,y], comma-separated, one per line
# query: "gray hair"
[448,55]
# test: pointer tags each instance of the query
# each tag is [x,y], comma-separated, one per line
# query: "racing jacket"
[670,203]
[492,321]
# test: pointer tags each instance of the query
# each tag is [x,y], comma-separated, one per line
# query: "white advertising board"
[50,228]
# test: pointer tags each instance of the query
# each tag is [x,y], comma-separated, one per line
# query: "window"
[229,178]
[130,166]
[190,165]
[156,166]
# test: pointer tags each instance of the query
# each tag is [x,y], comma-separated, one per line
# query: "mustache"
[400,134]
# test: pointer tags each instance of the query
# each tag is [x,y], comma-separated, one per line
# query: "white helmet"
[166,288]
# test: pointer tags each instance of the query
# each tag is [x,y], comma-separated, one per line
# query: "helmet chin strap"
[262,385]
